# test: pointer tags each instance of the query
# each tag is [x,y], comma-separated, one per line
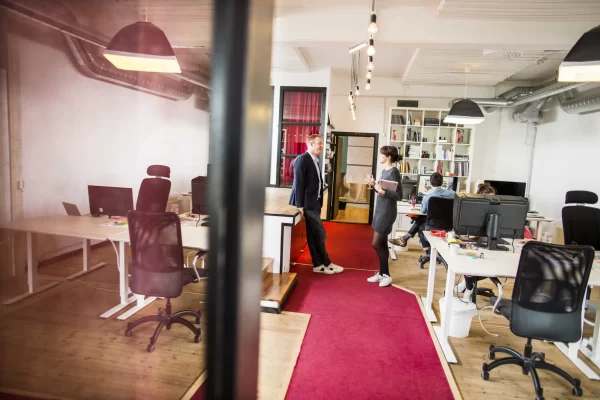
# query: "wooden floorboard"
[471,352]
[357,215]
[277,286]
[54,344]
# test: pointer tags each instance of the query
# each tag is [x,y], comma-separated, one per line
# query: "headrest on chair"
[159,170]
[581,197]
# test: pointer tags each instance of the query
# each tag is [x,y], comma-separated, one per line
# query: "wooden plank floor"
[353,214]
[506,382]
[55,344]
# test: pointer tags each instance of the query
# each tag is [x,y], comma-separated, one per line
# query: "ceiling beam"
[301,57]
[410,63]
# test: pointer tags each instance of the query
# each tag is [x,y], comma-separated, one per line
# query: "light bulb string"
[146,13]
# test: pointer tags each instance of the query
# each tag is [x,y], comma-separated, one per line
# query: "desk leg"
[123,284]
[32,278]
[141,303]
[594,353]
[428,301]
[443,333]
[87,255]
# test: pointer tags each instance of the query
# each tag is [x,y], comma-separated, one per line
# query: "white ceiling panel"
[529,10]
[486,67]
[287,58]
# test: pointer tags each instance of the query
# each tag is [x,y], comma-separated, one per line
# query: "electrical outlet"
[21,185]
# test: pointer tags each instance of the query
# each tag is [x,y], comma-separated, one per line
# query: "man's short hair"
[311,138]
[436,179]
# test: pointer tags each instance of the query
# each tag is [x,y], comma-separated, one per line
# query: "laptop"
[71,209]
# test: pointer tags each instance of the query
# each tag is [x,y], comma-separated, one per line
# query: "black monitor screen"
[111,201]
[507,188]
[200,195]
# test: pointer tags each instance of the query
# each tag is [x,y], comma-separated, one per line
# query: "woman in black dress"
[385,212]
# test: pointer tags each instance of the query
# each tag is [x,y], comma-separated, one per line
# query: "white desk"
[85,227]
[498,264]
[191,237]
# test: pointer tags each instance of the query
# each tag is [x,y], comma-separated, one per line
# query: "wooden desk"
[494,264]
[85,228]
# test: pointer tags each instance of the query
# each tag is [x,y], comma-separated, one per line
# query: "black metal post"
[239,148]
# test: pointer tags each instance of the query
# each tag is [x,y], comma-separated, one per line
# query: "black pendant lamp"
[582,64]
[142,47]
[464,112]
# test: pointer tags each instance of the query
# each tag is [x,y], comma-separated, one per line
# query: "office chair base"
[426,258]
[529,362]
[166,319]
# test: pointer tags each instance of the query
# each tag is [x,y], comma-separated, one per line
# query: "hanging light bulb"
[371,49]
[372,29]
[369,75]
[370,65]
[350,97]
[368,85]
[357,91]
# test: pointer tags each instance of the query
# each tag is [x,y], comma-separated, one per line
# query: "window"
[301,114]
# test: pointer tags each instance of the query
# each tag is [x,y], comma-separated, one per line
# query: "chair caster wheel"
[485,375]
[150,348]
[539,398]
[577,383]
[492,355]
[197,338]
[577,391]
[128,333]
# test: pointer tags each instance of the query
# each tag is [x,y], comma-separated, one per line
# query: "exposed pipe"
[538,93]
[85,35]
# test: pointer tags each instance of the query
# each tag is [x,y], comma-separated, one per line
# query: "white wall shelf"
[401,129]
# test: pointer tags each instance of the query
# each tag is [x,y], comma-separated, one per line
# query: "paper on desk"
[115,223]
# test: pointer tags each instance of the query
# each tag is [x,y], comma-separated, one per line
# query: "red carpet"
[348,245]
[363,342]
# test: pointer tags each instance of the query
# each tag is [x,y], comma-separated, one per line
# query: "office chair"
[439,217]
[154,192]
[547,302]
[157,269]
[581,224]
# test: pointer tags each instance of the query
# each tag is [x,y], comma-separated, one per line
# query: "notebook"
[388,185]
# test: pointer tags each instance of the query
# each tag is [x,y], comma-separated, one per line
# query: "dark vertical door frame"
[375,136]
[239,118]
[322,131]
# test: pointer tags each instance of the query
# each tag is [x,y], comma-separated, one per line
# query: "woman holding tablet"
[389,192]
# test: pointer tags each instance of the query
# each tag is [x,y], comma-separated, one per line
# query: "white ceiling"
[419,41]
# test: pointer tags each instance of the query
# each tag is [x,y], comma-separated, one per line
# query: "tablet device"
[388,185]
[71,209]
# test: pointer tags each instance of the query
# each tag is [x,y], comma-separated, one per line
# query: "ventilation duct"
[79,41]
[584,105]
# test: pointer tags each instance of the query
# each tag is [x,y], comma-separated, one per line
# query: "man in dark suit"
[307,195]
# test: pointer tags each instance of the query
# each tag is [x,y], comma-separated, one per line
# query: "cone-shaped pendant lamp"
[142,47]
[582,64]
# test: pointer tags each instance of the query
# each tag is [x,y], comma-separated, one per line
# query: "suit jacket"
[306,190]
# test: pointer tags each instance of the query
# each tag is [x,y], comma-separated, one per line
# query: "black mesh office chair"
[581,224]
[154,192]
[547,304]
[439,217]
[157,268]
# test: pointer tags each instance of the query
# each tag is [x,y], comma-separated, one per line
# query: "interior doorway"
[354,159]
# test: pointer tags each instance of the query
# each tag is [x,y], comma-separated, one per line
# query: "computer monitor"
[200,195]
[449,182]
[409,187]
[490,216]
[111,201]
[506,188]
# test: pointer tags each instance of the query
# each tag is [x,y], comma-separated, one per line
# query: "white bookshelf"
[430,147]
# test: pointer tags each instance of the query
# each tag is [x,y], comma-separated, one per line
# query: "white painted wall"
[77,131]
[318,78]
[566,158]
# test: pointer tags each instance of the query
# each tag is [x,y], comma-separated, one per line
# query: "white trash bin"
[462,316]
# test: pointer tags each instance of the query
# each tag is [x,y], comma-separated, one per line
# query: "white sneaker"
[374,278]
[336,268]
[386,280]
[321,269]
[461,287]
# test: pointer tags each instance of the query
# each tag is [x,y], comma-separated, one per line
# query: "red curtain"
[302,106]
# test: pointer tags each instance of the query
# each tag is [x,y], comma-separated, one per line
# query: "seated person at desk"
[418,225]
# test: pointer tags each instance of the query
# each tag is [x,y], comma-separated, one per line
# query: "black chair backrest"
[581,197]
[157,254]
[439,213]
[154,192]
[549,290]
[581,225]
